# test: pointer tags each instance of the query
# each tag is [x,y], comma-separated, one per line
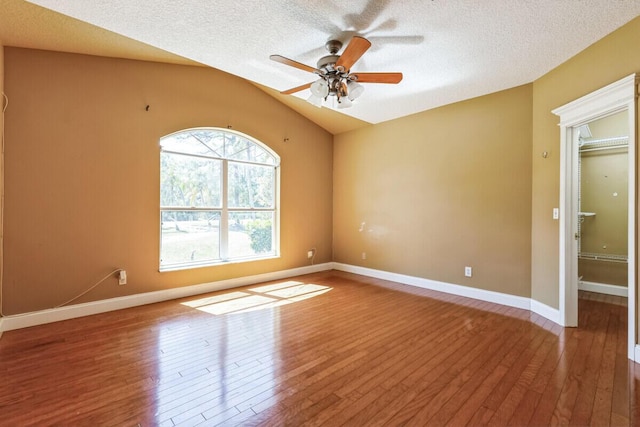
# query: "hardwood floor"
[330,349]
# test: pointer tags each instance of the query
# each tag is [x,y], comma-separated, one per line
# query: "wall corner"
[2,105]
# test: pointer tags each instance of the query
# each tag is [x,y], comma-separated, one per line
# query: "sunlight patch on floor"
[215,299]
[295,291]
[258,298]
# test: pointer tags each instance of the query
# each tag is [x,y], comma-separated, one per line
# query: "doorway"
[617,98]
[603,205]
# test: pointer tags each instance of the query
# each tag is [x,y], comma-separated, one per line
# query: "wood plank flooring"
[331,349]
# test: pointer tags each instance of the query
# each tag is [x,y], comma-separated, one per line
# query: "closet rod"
[603,257]
[608,147]
[624,139]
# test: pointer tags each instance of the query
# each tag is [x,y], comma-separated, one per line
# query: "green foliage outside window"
[261,235]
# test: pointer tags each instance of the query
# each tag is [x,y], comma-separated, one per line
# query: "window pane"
[251,186]
[189,237]
[239,148]
[250,234]
[197,141]
[187,181]
[211,177]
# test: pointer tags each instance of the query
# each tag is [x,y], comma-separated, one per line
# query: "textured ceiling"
[448,50]
[25,25]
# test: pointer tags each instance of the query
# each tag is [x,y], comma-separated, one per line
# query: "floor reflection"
[236,350]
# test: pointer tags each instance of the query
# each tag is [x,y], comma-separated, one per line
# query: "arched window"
[218,198]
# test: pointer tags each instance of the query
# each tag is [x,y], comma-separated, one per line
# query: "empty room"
[312,213]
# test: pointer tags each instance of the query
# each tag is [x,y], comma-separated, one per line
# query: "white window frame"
[225,210]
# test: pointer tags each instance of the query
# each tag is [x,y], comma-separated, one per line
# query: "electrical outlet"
[310,253]
[468,271]
[364,255]
[122,277]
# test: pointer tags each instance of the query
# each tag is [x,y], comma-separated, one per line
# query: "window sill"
[191,266]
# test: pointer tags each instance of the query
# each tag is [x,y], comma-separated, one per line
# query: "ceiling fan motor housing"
[333,46]
[326,63]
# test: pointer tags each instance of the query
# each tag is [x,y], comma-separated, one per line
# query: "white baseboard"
[636,355]
[449,288]
[602,288]
[465,291]
[545,311]
[26,320]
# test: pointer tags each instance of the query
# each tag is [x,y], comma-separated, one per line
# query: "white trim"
[465,291]
[545,311]
[603,288]
[616,97]
[26,320]
[568,226]
[599,103]
[449,288]
[79,310]
[637,354]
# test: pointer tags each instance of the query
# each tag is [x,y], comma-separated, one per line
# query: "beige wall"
[82,172]
[604,177]
[441,190]
[610,126]
[2,103]
[606,272]
[606,61]
[604,189]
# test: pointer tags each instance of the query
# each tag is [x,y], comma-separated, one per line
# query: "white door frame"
[616,97]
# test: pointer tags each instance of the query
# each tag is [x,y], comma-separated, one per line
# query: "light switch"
[556,213]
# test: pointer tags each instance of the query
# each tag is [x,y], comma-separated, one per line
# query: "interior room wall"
[428,194]
[604,189]
[611,126]
[2,102]
[604,179]
[82,172]
[604,62]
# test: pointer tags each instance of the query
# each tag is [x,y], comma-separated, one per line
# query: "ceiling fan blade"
[296,89]
[378,77]
[354,50]
[292,63]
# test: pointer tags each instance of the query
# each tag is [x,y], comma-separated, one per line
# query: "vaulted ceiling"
[447,50]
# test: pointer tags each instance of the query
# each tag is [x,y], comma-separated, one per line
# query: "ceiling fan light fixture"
[320,88]
[315,100]
[355,90]
[341,88]
[344,102]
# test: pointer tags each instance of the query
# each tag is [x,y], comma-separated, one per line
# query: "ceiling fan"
[336,78]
